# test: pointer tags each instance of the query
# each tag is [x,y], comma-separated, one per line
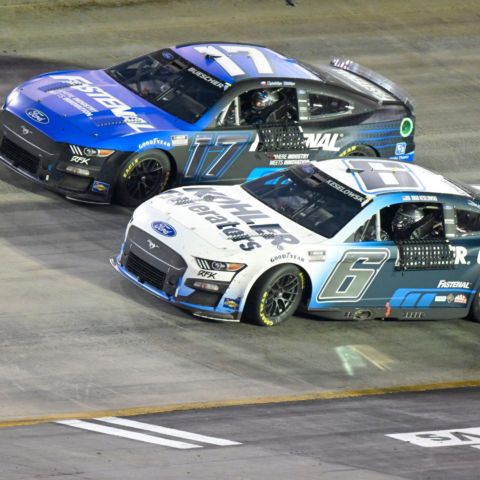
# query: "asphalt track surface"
[77,338]
[436,436]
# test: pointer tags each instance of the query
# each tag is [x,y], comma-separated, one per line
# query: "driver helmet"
[407,219]
[262,99]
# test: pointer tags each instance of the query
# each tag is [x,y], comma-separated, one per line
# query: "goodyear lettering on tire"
[130,167]
[261,313]
[348,151]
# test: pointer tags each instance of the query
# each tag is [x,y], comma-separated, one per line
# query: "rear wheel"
[474,313]
[358,151]
[275,296]
[142,176]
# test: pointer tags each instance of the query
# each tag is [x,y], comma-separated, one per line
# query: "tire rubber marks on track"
[143,437]
[442,438]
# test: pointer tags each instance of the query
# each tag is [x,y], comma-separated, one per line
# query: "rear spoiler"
[377,80]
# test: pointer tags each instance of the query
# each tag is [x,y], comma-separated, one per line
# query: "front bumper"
[34,155]
[159,270]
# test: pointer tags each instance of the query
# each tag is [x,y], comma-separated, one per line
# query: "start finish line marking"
[441,438]
[123,426]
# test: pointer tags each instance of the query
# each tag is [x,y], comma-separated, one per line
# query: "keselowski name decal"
[323,177]
[116,106]
[252,226]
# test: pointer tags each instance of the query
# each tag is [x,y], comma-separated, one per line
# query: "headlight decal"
[219,266]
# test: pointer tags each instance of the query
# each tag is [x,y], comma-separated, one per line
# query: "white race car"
[347,238]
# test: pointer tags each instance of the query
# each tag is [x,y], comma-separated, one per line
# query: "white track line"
[117,432]
[167,431]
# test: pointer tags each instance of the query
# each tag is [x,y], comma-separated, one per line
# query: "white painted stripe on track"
[167,431]
[118,432]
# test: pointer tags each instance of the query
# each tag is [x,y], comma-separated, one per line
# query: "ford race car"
[348,238]
[206,113]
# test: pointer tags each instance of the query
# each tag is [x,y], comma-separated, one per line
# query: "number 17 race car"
[205,113]
[348,238]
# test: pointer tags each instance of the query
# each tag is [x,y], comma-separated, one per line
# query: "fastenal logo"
[37,115]
[164,229]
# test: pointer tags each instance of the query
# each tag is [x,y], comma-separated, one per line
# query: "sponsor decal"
[232,303]
[206,274]
[287,256]
[323,141]
[377,92]
[462,299]
[152,244]
[241,232]
[100,187]
[37,115]
[116,106]
[460,255]
[154,142]
[453,284]
[77,103]
[164,229]
[317,256]
[80,160]
[207,78]
[25,130]
[179,140]
[450,298]
[287,159]
[440,298]
[400,148]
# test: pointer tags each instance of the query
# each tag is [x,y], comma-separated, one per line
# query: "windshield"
[309,197]
[171,83]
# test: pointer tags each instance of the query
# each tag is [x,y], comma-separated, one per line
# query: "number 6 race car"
[198,113]
[348,238]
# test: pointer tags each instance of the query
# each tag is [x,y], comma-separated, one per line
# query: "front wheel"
[141,177]
[474,313]
[275,296]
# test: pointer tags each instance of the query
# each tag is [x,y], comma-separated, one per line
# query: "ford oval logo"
[168,55]
[164,229]
[37,115]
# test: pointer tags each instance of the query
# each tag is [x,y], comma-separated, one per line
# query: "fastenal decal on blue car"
[206,113]
[346,238]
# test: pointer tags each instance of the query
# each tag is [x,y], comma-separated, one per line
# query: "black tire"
[358,151]
[275,296]
[141,177]
[474,313]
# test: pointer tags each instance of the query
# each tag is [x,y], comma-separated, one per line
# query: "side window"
[261,106]
[320,105]
[404,221]
[467,222]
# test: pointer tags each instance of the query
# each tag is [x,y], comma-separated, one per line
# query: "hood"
[223,218]
[90,103]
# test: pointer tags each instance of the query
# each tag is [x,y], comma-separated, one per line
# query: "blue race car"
[205,113]
[348,238]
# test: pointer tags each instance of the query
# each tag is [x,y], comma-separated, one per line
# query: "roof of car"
[376,176]
[239,63]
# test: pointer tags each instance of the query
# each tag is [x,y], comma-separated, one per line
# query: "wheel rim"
[281,296]
[144,179]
